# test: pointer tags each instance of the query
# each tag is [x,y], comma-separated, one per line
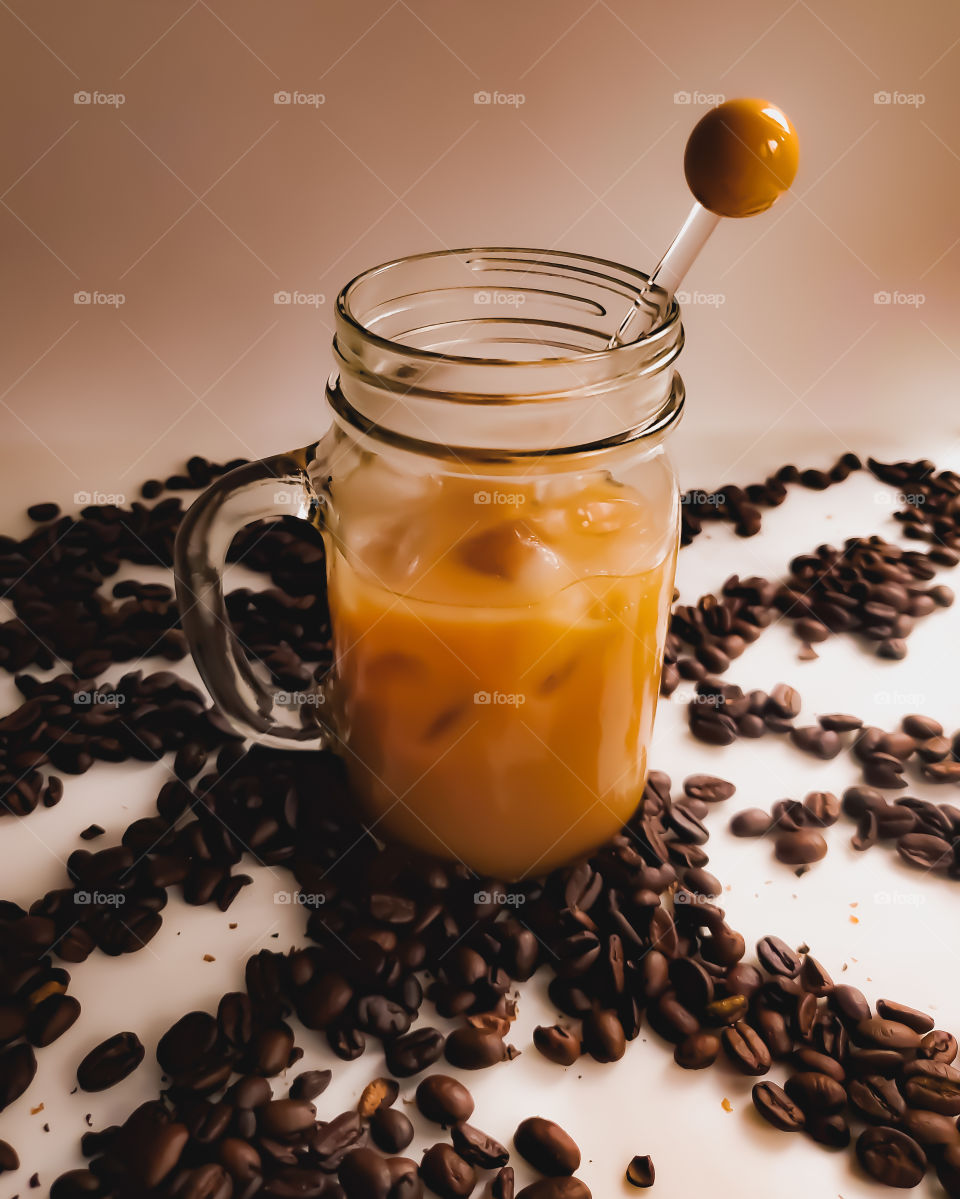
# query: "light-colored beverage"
[498,653]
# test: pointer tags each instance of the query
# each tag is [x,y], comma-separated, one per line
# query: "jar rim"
[634,279]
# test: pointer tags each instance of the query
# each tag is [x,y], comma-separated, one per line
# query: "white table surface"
[869,919]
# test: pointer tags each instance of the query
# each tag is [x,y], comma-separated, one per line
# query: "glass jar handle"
[271,488]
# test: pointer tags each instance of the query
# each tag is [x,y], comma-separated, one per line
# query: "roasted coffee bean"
[270,1050]
[324,1001]
[414,1051]
[310,1084]
[752,822]
[806,1058]
[840,722]
[822,743]
[938,1046]
[192,1040]
[746,1049]
[849,1004]
[475,1048]
[701,882]
[777,958]
[364,1174]
[381,1092]
[555,1188]
[777,1108]
[930,1129]
[815,1092]
[814,978]
[503,1186]
[832,1130]
[382,1017]
[9,1159]
[444,1100]
[603,1035]
[77,1184]
[920,1022]
[51,1018]
[886,1034]
[775,1031]
[640,1172]
[391,1130]
[557,1043]
[284,1117]
[724,1011]
[799,848]
[878,1100]
[692,984]
[477,1148]
[822,807]
[708,788]
[933,1086]
[110,1062]
[883,770]
[698,1051]
[547,1147]
[446,1173]
[891,1157]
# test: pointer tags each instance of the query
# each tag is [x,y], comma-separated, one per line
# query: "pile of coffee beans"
[631,934]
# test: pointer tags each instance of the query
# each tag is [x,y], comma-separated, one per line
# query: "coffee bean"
[815,1092]
[886,1034]
[446,1173]
[603,1035]
[284,1117]
[849,1003]
[697,1051]
[822,743]
[777,1108]
[752,822]
[891,1157]
[475,1048]
[310,1084]
[444,1100]
[391,1130]
[933,1086]
[708,787]
[878,1100]
[110,1062]
[938,1046]
[822,807]
[746,1049]
[919,1021]
[547,1147]
[799,848]
[556,1188]
[477,1147]
[503,1187]
[414,1051]
[381,1092]
[839,722]
[9,1160]
[640,1172]
[806,1058]
[921,727]
[777,958]
[557,1044]
[51,1018]
[364,1174]
[925,851]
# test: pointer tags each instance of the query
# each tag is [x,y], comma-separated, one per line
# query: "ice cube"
[510,550]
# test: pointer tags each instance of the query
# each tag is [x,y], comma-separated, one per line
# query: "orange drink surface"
[498,655]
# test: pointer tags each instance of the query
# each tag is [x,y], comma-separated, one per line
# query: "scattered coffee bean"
[891,1157]
[547,1147]
[777,1108]
[640,1172]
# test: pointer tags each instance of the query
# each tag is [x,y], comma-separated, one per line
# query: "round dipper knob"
[740,157]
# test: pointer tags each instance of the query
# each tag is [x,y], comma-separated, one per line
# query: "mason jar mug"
[500,519]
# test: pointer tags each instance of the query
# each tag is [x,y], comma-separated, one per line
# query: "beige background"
[198,197]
